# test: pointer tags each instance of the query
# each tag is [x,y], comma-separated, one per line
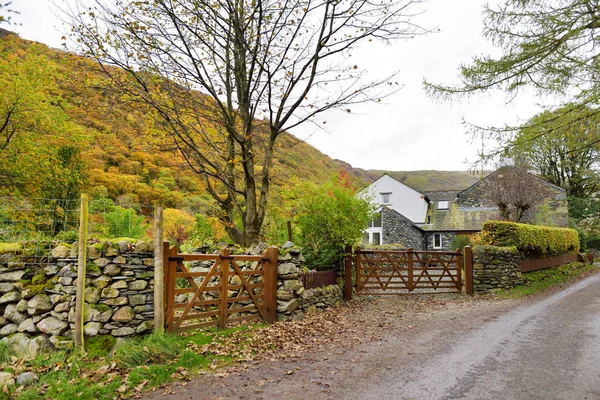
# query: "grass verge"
[539,281]
[137,364]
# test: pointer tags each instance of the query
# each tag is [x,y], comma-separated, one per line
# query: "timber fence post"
[270,284]
[348,273]
[410,267]
[159,284]
[81,264]
[468,270]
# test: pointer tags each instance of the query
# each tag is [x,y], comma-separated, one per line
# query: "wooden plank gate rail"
[399,272]
[232,289]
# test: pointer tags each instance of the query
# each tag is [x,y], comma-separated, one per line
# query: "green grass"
[5,353]
[539,281]
[147,362]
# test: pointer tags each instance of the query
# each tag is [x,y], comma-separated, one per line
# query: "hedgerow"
[532,241]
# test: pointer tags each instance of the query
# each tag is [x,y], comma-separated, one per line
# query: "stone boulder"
[52,326]
[39,304]
[27,347]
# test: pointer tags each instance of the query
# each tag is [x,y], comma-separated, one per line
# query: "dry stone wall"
[293,300]
[37,300]
[496,268]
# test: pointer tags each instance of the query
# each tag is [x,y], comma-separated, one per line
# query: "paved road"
[546,350]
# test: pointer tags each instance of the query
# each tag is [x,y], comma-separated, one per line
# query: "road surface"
[546,348]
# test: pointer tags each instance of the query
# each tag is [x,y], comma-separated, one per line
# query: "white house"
[396,196]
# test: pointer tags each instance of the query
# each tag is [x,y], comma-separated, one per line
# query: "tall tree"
[548,45]
[261,68]
[561,153]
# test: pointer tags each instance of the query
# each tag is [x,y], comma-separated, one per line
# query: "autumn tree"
[565,154]
[550,46]
[226,78]
[514,191]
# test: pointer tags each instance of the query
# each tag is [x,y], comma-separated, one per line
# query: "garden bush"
[531,241]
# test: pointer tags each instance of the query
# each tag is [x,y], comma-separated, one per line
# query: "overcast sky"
[410,131]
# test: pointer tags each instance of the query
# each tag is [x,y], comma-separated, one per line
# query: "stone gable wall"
[396,229]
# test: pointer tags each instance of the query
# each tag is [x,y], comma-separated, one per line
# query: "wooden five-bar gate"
[397,272]
[218,289]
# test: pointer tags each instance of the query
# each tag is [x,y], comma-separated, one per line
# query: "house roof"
[457,218]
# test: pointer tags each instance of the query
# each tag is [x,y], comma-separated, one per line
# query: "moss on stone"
[92,268]
[38,279]
[100,307]
[36,289]
[10,248]
[100,345]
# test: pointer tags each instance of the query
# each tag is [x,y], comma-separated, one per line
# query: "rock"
[61,343]
[120,260]
[135,261]
[123,314]
[137,299]
[124,246]
[61,252]
[300,291]
[93,314]
[92,328]
[284,295]
[13,315]
[292,285]
[9,329]
[26,347]
[311,309]
[6,287]
[3,320]
[149,262]
[119,285]
[52,326]
[92,295]
[287,306]
[65,280]
[15,264]
[287,269]
[50,270]
[101,262]
[119,301]
[297,316]
[112,270]
[138,285]
[12,276]
[144,327]
[94,252]
[6,378]
[39,304]
[26,378]
[101,282]
[124,331]
[27,326]
[110,293]
[288,245]
[144,247]
[10,297]
[68,272]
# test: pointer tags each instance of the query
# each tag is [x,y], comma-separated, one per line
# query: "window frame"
[383,196]
[441,240]
[445,202]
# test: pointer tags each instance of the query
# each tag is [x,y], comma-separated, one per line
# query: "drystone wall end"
[293,300]
[495,268]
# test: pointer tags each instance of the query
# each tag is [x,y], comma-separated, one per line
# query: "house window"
[443,205]
[365,238]
[437,241]
[376,238]
[376,221]
[385,198]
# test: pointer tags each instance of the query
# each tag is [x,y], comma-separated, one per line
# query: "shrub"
[331,216]
[530,240]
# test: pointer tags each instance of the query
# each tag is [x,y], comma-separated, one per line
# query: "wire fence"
[47,221]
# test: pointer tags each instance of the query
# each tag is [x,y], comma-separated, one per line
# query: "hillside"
[119,152]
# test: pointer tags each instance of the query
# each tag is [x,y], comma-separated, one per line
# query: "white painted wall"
[403,199]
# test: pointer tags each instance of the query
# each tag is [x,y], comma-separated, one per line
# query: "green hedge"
[532,241]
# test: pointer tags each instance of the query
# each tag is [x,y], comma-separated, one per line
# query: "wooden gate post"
[468,270]
[348,273]
[224,280]
[170,278]
[270,284]
[410,267]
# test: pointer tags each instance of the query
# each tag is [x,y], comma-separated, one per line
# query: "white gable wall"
[403,199]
